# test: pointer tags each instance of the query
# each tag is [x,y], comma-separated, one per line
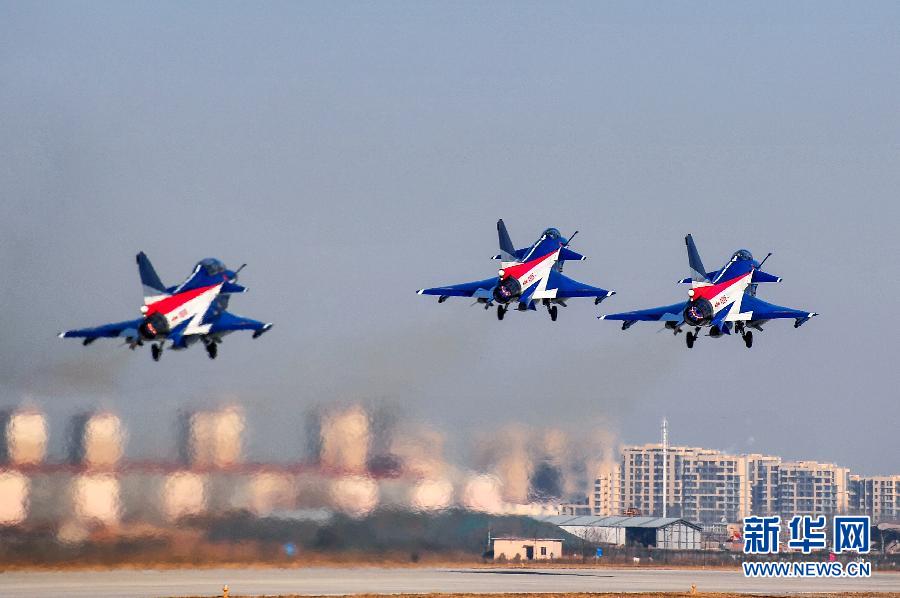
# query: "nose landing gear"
[156,351]
[501,311]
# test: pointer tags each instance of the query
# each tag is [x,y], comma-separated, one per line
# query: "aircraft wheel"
[748,339]
[212,349]
[501,311]
[155,351]
[553,312]
[690,337]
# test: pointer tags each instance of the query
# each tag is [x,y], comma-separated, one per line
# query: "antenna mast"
[665,472]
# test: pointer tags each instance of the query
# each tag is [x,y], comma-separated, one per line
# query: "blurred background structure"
[517,470]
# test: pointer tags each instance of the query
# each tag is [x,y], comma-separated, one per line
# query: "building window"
[543,551]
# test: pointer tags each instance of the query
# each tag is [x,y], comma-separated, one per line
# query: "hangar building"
[669,533]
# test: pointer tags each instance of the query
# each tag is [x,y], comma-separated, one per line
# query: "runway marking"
[526,572]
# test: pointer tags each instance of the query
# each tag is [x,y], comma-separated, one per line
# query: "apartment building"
[876,496]
[710,486]
[702,485]
[606,500]
[812,488]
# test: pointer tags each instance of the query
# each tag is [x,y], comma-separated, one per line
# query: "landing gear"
[501,311]
[156,351]
[748,339]
[689,338]
[212,349]
[553,312]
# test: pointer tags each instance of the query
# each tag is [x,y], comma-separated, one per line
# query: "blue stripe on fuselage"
[199,278]
[734,269]
[544,246]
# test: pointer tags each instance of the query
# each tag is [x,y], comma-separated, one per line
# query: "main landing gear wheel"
[212,349]
[553,312]
[748,339]
[689,338]
[156,351]
[501,311]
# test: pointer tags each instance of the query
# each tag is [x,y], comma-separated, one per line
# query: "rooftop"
[591,521]
[517,538]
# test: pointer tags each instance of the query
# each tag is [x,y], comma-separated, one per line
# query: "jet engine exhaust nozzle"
[507,290]
[698,312]
[154,326]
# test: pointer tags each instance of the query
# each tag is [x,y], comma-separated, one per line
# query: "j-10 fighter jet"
[194,310]
[722,301]
[527,276]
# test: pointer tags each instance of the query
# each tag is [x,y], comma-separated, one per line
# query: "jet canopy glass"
[211,266]
[742,255]
[552,233]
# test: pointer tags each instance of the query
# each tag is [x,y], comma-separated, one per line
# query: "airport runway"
[209,582]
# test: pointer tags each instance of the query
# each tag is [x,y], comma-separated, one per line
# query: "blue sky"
[353,152]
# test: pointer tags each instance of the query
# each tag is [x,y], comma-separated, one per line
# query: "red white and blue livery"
[721,301]
[195,310]
[527,276]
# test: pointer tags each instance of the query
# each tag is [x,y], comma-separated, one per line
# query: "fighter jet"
[722,300]
[527,276]
[194,310]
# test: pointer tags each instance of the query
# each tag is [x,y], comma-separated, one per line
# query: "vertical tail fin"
[698,272]
[153,286]
[507,249]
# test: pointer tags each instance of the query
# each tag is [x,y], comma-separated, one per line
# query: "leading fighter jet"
[527,276]
[194,310]
[721,300]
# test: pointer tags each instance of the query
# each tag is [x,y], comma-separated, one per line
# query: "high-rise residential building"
[702,485]
[789,488]
[812,488]
[710,486]
[714,487]
[764,476]
[641,478]
[606,500]
[876,496]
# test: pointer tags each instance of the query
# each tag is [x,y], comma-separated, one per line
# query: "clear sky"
[354,152]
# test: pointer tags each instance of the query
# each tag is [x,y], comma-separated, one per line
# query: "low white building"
[527,549]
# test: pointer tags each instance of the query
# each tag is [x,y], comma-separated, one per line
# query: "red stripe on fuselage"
[520,270]
[170,304]
[713,290]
